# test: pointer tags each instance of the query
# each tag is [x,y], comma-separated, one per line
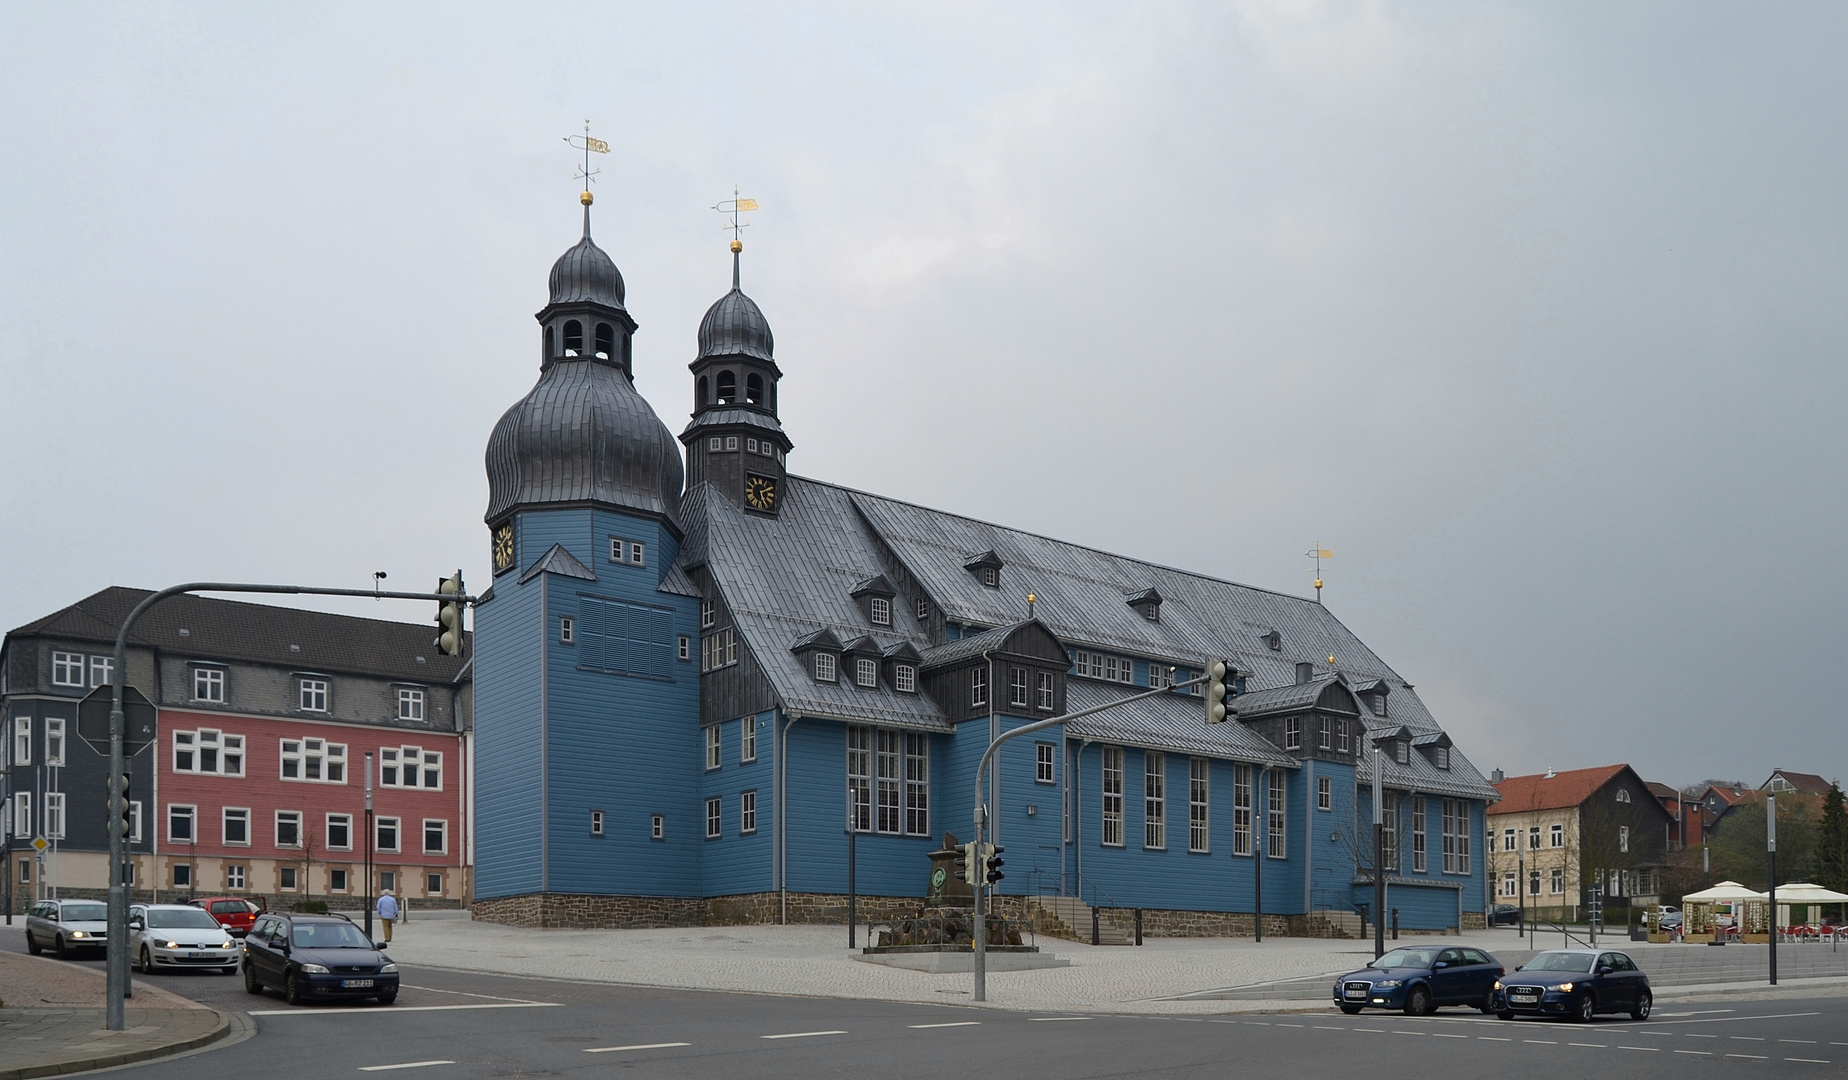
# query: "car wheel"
[1504,1015]
[387,999]
[1418,1002]
[1587,1008]
[1351,1010]
[1644,1003]
[1488,1003]
[32,945]
[251,985]
[58,950]
[146,961]
[292,989]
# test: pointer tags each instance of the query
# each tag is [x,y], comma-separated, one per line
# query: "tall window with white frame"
[1043,761]
[54,741]
[22,740]
[747,812]
[1017,687]
[1456,836]
[1044,701]
[1276,805]
[313,695]
[1154,800]
[714,747]
[978,686]
[1113,797]
[715,818]
[866,672]
[436,836]
[1389,834]
[860,778]
[747,740]
[180,822]
[236,825]
[881,610]
[1418,834]
[888,794]
[1292,733]
[825,667]
[1324,793]
[917,784]
[1241,809]
[1198,816]
[905,678]
[54,815]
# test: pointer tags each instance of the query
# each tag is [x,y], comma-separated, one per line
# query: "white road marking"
[1749,1038]
[1326,1027]
[1289,1025]
[1697,1053]
[1420,1033]
[1811,1042]
[1808,1061]
[1375,1031]
[637,1046]
[1733,1019]
[1542,1042]
[1749,1057]
[394,1010]
[465,993]
[403,1065]
[1492,1038]
[953,1023]
[1592,1046]
[801,1034]
[1054,1019]
[1443,1035]
[1649,1049]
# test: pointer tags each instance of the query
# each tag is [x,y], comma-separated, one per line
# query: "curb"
[104,1061]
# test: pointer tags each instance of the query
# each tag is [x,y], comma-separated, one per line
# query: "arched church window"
[548,343]
[700,401]
[728,387]
[574,338]
[606,341]
[754,389]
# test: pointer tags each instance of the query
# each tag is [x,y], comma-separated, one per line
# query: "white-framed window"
[905,678]
[1418,834]
[1389,834]
[67,669]
[409,767]
[747,740]
[1241,809]
[638,553]
[313,695]
[886,762]
[1324,793]
[922,609]
[1533,838]
[1113,796]
[860,778]
[1533,881]
[134,821]
[213,753]
[1277,842]
[708,614]
[1623,838]
[657,826]
[285,879]
[385,834]
[1161,676]
[714,444]
[180,824]
[978,686]
[313,761]
[1402,751]
[1017,687]
[436,836]
[1154,800]
[102,669]
[866,672]
[1043,699]
[714,743]
[410,704]
[1456,836]
[21,817]
[1557,835]
[881,610]
[715,818]
[339,832]
[1507,839]
[235,825]
[1510,884]
[618,550]
[1623,794]
[1558,884]
[337,880]
[826,669]
[288,828]
[208,684]
[234,878]
[991,577]
[1199,770]
[596,823]
[718,649]
[684,647]
[182,876]
[54,740]
[1043,762]
[1292,733]
[1325,734]
[917,784]
[1341,737]
[750,445]
[1440,756]
[22,740]
[731,442]
[747,812]
[1104,666]
[54,815]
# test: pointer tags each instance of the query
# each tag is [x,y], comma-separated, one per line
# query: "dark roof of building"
[557,560]
[1807,783]
[233,630]
[735,326]
[1174,722]
[586,274]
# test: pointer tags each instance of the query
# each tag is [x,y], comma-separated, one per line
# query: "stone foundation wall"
[566,911]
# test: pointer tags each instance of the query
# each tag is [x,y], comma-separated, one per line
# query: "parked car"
[67,926]
[234,913]
[316,957]
[1505,915]
[1668,918]
[1576,984]
[179,936]
[1420,978]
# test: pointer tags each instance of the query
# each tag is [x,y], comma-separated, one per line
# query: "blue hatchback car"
[1576,984]
[1420,978]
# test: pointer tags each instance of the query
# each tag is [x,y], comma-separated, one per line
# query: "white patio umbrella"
[1802,892]
[1727,892]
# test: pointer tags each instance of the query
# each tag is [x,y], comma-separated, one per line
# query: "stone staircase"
[1333,923]
[1070,918]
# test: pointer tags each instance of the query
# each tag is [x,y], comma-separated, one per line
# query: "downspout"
[1310,795]
[545,724]
[1078,821]
[782,820]
[993,798]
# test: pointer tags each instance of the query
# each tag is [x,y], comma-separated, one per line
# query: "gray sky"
[1530,313]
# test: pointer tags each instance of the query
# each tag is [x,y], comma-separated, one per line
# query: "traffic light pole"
[116,965]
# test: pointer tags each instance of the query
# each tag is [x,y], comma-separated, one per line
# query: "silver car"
[168,936]
[67,926]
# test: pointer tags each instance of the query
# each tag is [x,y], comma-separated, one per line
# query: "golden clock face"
[760,492]
[503,547]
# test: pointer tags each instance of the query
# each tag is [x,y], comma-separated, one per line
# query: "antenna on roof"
[734,206]
[1318,553]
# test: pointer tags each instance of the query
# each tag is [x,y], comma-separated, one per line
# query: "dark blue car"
[1576,984]
[1420,978]
[316,957]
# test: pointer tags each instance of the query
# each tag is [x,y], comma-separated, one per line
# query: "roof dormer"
[874,595]
[1147,604]
[986,567]
[821,655]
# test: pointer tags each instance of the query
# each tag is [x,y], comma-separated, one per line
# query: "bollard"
[1395,924]
[1138,926]
[1095,937]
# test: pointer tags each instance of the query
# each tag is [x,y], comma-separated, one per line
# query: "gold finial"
[1331,659]
[585,173]
[1031,598]
[737,246]
[587,198]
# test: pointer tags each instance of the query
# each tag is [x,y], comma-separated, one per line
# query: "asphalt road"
[454,1025]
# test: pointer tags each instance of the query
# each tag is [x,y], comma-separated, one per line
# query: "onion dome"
[586,274]
[735,326]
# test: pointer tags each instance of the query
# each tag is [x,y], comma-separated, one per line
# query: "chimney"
[1549,773]
[1497,777]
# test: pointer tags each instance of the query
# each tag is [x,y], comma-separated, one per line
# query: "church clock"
[760,493]
[503,547]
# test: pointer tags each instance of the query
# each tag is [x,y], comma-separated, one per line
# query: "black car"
[1505,915]
[316,957]
[1420,978]
[1576,984]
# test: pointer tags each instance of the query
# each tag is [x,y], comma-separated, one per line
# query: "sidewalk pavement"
[814,961]
[52,1020]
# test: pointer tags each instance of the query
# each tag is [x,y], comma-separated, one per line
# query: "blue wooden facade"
[694,692]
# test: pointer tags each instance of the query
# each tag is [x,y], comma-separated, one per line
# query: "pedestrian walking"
[387,910]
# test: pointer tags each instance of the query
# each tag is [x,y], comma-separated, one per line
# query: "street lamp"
[368,767]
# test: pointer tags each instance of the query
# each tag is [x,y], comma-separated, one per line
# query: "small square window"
[433,884]
[638,554]
[991,577]
[182,876]
[337,881]
[866,672]
[313,695]
[657,827]
[923,609]
[410,704]
[285,878]
[881,611]
[713,443]
[209,684]
[825,667]
[731,442]
[567,630]
[686,647]
[234,877]
[751,445]
[596,823]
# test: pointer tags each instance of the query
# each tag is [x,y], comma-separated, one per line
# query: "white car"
[66,926]
[168,936]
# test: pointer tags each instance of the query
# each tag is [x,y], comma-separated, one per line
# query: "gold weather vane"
[736,206]
[585,173]
[1318,553]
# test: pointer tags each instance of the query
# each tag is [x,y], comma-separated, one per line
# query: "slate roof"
[557,560]
[1556,792]
[1282,699]
[258,633]
[1169,722]
[1418,773]
[1807,783]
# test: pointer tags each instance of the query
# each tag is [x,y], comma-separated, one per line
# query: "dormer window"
[905,678]
[881,611]
[1440,757]
[991,577]
[826,669]
[1379,703]
[1147,604]
[1402,751]
[923,609]
[866,673]
[874,595]
[986,567]
[1273,641]
[1305,672]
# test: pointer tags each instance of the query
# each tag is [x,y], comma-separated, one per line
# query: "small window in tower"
[728,387]
[751,445]
[715,444]
[606,341]
[731,442]
[574,338]
[705,393]
[754,389]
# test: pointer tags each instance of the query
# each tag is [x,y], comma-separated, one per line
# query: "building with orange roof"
[1556,836]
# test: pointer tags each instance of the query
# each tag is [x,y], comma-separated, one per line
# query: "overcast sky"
[1532,314]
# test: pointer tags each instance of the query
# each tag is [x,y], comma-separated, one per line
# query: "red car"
[234,913]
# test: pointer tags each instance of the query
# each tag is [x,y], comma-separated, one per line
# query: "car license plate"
[1355,993]
[198,956]
[1527,999]
[356,984]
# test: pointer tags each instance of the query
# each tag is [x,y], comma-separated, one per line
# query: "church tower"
[735,442]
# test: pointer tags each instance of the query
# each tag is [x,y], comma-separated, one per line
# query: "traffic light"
[1217,675]
[991,864]
[968,868]
[128,810]
[449,616]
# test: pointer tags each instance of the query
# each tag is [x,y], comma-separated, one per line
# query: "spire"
[586,199]
[736,248]
[590,145]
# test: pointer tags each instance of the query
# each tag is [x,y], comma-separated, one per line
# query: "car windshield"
[1560,961]
[181,919]
[1406,958]
[83,913]
[328,936]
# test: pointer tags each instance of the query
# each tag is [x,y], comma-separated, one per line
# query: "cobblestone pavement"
[53,1020]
